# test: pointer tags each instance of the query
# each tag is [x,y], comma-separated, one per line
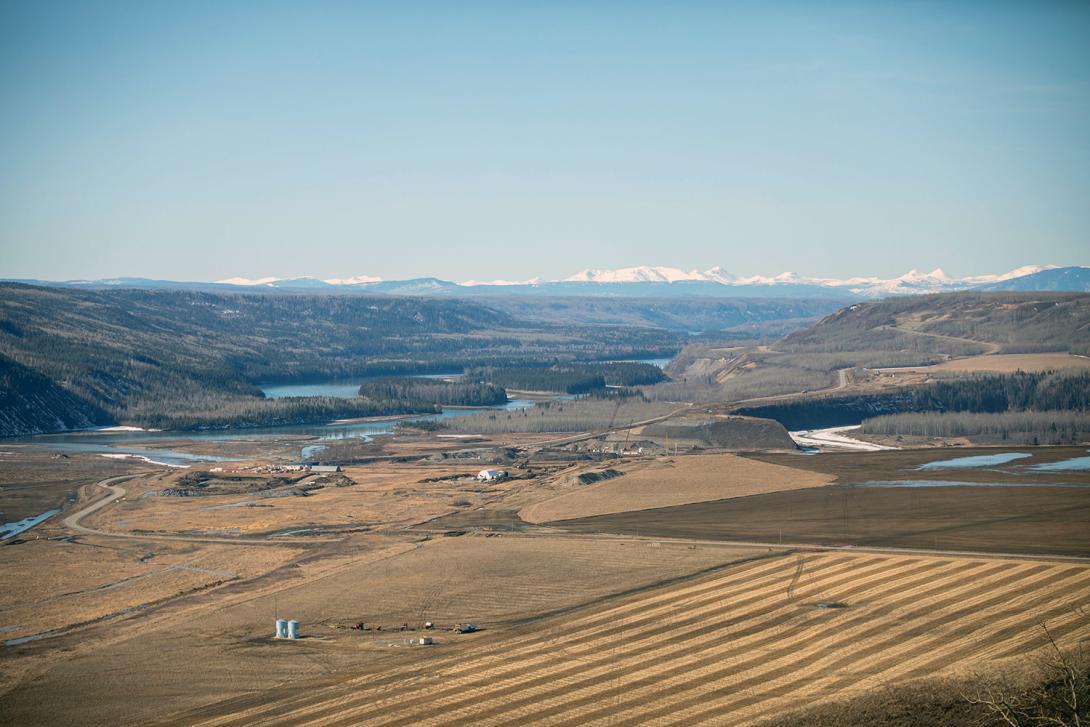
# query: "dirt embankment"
[678,481]
[735,432]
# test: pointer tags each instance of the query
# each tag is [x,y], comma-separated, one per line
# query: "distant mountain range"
[645,282]
[1074,279]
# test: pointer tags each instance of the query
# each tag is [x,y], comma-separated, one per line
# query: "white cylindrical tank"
[293,629]
[281,628]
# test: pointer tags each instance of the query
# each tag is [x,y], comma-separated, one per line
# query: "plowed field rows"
[729,648]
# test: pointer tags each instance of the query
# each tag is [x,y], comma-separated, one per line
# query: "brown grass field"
[386,495]
[83,580]
[729,647]
[674,481]
[578,628]
[214,645]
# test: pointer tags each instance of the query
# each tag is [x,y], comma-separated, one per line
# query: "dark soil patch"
[1041,520]
[493,519]
[856,467]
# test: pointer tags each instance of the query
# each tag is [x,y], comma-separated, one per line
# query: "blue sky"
[201,140]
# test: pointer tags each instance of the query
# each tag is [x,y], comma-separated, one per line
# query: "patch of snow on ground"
[834,437]
[149,460]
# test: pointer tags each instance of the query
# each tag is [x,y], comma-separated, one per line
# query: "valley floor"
[159,609]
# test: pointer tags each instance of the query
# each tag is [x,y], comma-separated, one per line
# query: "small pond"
[10,530]
[982,460]
[911,484]
[1075,464]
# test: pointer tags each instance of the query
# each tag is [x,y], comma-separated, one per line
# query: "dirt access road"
[841,383]
[72,522]
[594,435]
[992,347]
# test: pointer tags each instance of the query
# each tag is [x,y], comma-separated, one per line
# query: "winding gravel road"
[72,522]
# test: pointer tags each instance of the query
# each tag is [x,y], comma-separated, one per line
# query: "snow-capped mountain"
[473,283]
[354,281]
[300,282]
[914,281]
[648,282]
[1067,280]
[641,274]
[248,281]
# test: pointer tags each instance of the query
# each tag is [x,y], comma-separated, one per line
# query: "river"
[134,443]
[349,388]
[112,442]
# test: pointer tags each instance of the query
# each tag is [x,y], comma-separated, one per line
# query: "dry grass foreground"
[1009,363]
[57,584]
[677,481]
[728,648]
[385,495]
[215,646]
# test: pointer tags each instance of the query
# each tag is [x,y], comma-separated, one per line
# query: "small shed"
[491,475]
[325,468]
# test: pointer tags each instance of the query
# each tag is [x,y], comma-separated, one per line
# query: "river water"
[349,388]
[342,389]
[134,443]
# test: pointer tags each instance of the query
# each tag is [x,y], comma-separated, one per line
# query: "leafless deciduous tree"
[1060,699]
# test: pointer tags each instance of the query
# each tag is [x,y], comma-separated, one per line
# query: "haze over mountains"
[651,281]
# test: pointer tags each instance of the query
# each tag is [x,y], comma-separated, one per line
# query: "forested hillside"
[1040,392]
[1031,408]
[740,316]
[431,391]
[569,378]
[178,358]
[957,324]
[30,403]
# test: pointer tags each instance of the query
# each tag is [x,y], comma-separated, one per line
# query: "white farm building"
[491,475]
